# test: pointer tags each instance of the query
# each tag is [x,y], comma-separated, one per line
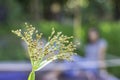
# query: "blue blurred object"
[13,75]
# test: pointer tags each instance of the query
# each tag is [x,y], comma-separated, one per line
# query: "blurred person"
[95,51]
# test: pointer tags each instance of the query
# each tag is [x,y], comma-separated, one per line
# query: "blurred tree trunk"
[77,24]
[116,9]
[35,9]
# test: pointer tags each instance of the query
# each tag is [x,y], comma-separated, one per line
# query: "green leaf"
[32,76]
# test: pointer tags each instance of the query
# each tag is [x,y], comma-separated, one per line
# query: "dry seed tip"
[31,25]
[13,31]
[26,23]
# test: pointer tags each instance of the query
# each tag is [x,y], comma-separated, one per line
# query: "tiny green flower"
[57,47]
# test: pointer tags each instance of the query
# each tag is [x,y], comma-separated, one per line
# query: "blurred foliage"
[115,71]
[97,10]
[111,32]
[11,48]
[14,10]
[46,26]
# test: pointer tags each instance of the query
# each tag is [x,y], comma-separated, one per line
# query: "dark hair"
[92,29]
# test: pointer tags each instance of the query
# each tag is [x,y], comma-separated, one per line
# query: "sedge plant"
[58,46]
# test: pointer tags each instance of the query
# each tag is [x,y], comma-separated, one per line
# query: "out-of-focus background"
[72,17]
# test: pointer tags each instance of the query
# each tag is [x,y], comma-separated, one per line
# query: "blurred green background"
[72,17]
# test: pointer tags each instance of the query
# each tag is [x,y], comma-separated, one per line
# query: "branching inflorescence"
[57,47]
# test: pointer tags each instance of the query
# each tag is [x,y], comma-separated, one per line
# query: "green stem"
[30,57]
[32,75]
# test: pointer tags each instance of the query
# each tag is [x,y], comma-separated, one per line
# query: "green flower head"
[57,47]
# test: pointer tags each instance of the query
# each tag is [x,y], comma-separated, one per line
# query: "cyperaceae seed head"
[58,46]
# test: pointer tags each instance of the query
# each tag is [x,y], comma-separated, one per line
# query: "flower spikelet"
[58,46]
